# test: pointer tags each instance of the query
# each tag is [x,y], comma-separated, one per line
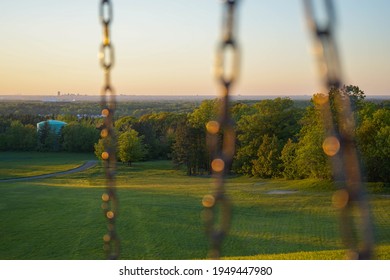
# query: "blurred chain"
[339,144]
[217,211]
[108,104]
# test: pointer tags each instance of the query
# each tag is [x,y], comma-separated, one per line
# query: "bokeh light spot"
[208,201]
[340,199]
[106,238]
[110,214]
[105,112]
[105,155]
[105,197]
[212,127]
[104,133]
[218,165]
[331,146]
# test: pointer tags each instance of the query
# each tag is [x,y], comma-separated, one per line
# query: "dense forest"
[278,138]
[89,108]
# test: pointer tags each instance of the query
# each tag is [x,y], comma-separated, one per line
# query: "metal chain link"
[108,104]
[339,142]
[217,211]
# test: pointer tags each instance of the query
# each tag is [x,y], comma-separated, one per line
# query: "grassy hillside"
[160,217]
[24,164]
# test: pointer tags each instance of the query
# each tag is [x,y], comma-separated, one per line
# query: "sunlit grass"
[382,252]
[25,164]
[160,217]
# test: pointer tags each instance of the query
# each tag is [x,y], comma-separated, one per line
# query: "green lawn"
[25,164]
[160,217]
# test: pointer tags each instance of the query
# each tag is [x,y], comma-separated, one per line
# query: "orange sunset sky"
[167,47]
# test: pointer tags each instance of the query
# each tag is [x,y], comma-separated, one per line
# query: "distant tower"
[58,93]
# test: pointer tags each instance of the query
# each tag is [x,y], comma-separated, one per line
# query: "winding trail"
[83,167]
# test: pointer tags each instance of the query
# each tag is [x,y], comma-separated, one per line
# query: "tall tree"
[78,137]
[21,137]
[288,157]
[158,130]
[48,139]
[189,148]
[374,143]
[311,160]
[268,163]
[125,123]
[277,118]
[130,147]
[207,111]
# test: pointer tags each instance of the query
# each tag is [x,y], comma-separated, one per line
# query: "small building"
[53,124]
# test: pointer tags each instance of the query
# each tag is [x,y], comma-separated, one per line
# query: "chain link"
[217,211]
[108,104]
[325,49]
[339,142]
[227,57]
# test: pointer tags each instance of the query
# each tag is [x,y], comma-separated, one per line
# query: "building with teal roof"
[53,124]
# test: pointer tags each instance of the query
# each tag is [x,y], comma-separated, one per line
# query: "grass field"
[160,216]
[25,164]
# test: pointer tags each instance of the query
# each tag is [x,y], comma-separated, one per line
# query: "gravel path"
[83,167]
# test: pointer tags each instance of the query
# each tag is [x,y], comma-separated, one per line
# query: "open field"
[160,216]
[26,164]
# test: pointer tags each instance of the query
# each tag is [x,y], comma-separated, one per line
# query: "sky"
[167,47]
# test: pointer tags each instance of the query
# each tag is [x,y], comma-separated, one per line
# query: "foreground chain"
[217,212]
[108,104]
[339,144]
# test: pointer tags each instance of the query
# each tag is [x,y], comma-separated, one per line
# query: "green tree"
[5,123]
[207,111]
[67,118]
[276,117]
[240,109]
[199,159]
[48,139]
[374,143]
[130,147]
[79,137]
[355,95]
[125,123]
[21,137]
[340,99]
[189,148]
[311,160]
[158,130]
[99,147]
[181,154]
[145,129]
[288,158]
[267,164]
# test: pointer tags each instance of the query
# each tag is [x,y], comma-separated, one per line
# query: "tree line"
[275,138]
[90,108]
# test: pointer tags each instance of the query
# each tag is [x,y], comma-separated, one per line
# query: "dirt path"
[85,166]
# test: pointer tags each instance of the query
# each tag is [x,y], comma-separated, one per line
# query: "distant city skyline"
[167,47]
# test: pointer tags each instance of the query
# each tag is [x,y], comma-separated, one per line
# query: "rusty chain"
[339,143]
[217,206]
[108,104]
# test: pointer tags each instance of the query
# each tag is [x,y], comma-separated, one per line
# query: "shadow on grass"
[46,222]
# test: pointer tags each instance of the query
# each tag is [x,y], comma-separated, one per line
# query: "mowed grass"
[161,217]
[25,164]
